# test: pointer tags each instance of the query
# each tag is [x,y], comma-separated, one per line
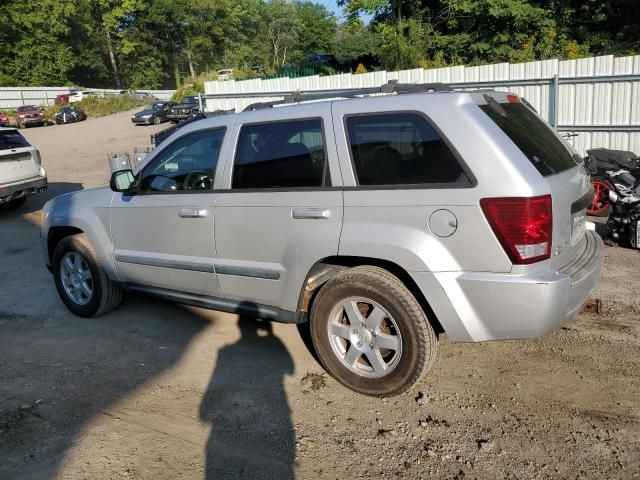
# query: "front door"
[279,213]
[163,236]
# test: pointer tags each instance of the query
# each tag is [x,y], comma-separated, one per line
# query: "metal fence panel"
[588,97]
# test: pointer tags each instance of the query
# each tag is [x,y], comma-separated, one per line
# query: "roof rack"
[390,87]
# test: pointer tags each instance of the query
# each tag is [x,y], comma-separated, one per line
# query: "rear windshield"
[544,149]
[11,139]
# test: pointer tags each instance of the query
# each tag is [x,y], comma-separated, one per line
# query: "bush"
[95,106]
[193,88]
[361,69]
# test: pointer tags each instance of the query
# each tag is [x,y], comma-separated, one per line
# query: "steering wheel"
[198,180]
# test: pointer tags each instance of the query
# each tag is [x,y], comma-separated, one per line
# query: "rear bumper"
[24,188]
[485,306]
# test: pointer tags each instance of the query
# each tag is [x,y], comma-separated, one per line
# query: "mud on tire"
[368,308]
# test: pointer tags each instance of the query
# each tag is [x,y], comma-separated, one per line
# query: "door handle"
[311,213]
[193,212]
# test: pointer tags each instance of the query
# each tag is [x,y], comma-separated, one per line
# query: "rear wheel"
[600,205]
[13,204]
[370,333]
[82,283]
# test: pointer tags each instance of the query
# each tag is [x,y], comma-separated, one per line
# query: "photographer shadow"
[252,435]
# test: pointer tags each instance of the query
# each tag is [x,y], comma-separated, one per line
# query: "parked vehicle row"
[33,115]
[375,219]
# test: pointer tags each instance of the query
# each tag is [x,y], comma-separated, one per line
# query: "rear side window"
[544,149]
[401,149]
[281,155]
[11,139]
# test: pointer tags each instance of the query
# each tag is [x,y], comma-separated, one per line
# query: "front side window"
[401,149]
[281,155]
[188,164]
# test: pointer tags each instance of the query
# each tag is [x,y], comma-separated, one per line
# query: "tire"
[370,292]
[601,205]
[13,204]
[105,294]
[156,120]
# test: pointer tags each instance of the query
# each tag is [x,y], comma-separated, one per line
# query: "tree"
[35,42]
[282,28]
[317,32]
[113,18]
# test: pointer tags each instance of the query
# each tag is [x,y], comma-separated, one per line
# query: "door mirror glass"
[123,181]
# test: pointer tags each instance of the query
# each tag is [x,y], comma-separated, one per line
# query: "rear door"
[280,211]
[18,159]
[557,162]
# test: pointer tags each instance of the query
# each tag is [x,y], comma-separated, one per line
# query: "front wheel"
[370,333]
[601,204]
[156,121]
[82,283]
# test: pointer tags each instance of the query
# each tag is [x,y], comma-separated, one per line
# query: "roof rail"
[392,86]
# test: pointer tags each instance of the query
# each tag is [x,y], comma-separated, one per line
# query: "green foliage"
[194,87]
[158,43]
[95,106]
[146,73]
[360,69]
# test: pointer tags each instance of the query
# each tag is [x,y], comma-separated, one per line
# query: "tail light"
[523,226]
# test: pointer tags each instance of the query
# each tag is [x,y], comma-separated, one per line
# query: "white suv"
[21,172]
[383,221]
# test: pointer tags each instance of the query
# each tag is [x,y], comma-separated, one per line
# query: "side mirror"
[123,181]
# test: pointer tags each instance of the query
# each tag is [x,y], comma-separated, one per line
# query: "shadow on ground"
[252,435]
[35,202]
[57,374]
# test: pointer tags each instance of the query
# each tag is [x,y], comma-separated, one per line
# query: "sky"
[332,5]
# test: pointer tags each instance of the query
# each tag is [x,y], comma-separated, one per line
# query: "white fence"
[595,99]
[11,98]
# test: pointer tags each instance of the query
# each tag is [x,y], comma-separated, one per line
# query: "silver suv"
[21,172]
[383,221]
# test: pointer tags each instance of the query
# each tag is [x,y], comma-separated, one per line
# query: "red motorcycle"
[605,160]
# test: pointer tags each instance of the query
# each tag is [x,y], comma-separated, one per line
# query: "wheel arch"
[56,234]
[328,267]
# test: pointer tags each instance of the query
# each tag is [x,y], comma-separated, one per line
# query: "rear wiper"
[495,106]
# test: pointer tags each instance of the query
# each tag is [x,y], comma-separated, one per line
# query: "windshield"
[546,151]
[152,106]
[12,139]
[190,99]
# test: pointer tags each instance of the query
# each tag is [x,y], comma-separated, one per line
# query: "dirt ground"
[159,391]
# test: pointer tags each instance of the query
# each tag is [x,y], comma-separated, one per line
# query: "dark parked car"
[29,115]
[69,115]
[188,107]
[155,113]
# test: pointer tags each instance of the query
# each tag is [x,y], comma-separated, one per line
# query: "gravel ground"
[155,390]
